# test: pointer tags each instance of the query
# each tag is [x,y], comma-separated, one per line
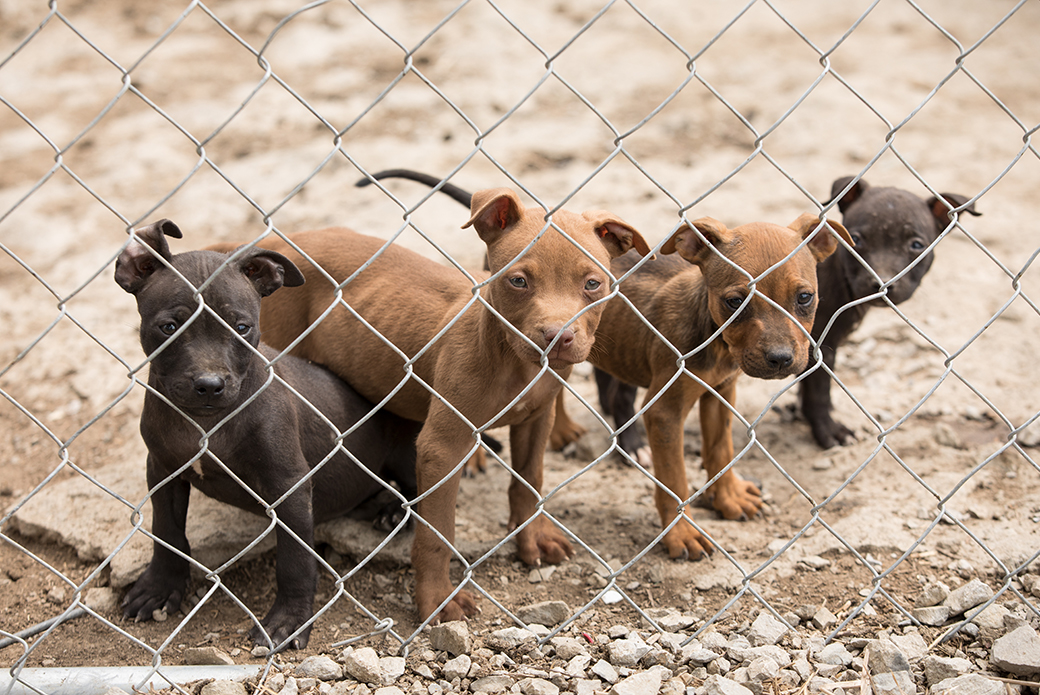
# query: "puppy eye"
[733,303]
[916,246]
[805,298]
[592,285]
[242,328]
[518,282]
[168,328]
[856,238]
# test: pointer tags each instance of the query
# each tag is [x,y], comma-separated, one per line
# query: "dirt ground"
[69,333]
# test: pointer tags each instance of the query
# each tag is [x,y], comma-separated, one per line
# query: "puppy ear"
[617,236]
[852,196]
[941,212]
[268,271]
[822,244]
[493,211]
[689,244]
[136,263]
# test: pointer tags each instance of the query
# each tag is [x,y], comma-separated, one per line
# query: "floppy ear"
[941,213]
[852,196]
[493,211]
[617,236]
[136,263]
[268,271]
[823,244]
[689,244]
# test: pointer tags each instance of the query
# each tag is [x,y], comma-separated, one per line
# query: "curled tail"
[454,192]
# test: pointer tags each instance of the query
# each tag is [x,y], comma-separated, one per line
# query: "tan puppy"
[494,371]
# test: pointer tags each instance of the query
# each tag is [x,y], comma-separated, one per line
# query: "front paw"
[830,433]
[463,605]
[284,619]
[685,542]
[154,591]
[735,498]
[564,433]
[542,540]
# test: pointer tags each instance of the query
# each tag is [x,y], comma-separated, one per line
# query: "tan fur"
[478,366]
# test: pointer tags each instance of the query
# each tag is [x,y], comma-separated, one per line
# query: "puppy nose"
[779,359]
[566,337]
[208,385]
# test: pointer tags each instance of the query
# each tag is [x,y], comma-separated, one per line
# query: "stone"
[931,615]
[698,656]
[321,667]
[363,665]
[968,684]
[545,613]
[886,657]
[206,656]
[223,688]
[452,637]
[893,683]
[1017,652]
[510,638]
[991,617]
[940,668]
[641,683]
[389,690]
[911,644]
[102,599]
[834,654]
[604,671]
[763,669]
[824,620]
[457,667]
[968,596]
[627,652]
[766,630]
[391,668]
[567,647]
[717,685]
[491,684]
[541,574]
[933,594]
[538,686]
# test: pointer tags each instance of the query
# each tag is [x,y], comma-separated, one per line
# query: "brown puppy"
[703,306]
[688,304]
[501,361]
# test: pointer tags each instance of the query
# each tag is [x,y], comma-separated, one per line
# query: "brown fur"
[479,365]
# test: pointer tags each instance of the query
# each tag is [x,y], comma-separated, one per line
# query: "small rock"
[717,685]
[452,637]
[1017,652]
[363,665]
[763,669]
[604,671]
[389,690]
[491,684]
[391,668]
[457,667]
[576,666]
[206,656]
[538,686]
[102,599]
[541,574]
[894,683]
[611,596]
[567,647]
[991,617]
[321,667]
[834,654]
[931,615]
[627,652]
[886,657]
[642,683]
[546,613]
[940,668]
[719,666]
[824,620]
[697,655]
[815,562]
[968,596]
[911,644]
[968,684]
[223,688]
[260,651]
[510,638]
[766,630]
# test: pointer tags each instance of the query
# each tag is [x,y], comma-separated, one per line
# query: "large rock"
[641,683]
[1017,652]
[968,684]
[766,630]
[452,637]
[363,665]
[717,685]
[966,597]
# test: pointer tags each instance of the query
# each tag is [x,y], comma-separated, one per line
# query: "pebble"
[457,667]
[541,574]
[968,684]
[642,683]
[940,668]
[491,684]
[604,671]
[824,620]
[834,654]
[391,668]
[102,599]
[931,615]
[576,666]
[545,613]
[452,637]
[766,630]
[320,667]
[510,638]
[1017,652]
[568,647]
[968,596]
[206,656]
[894,683]
[627,652]
[717,685]
[363,665]
[223,688]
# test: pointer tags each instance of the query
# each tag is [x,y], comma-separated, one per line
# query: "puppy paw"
[154,591]
[684,542]
[281,621]
[830,433]
[463,605]
[564,433]
[736,498]
[542,541]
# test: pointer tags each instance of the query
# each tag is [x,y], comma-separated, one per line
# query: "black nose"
[779,359]
[208,385]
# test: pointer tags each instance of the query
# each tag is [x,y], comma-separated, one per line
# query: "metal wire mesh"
[235,122]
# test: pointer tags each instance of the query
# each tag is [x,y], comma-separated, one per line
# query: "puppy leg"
[164,581]
[664,429]
[540,539]
[815,392]
[732,496]
[442,444]
[564,429]
[618,400]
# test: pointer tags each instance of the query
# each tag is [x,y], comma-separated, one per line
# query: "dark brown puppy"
[499,362]
[893,230]
[208,371]
[687,300]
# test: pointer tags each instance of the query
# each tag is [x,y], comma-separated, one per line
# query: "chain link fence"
[244,121]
